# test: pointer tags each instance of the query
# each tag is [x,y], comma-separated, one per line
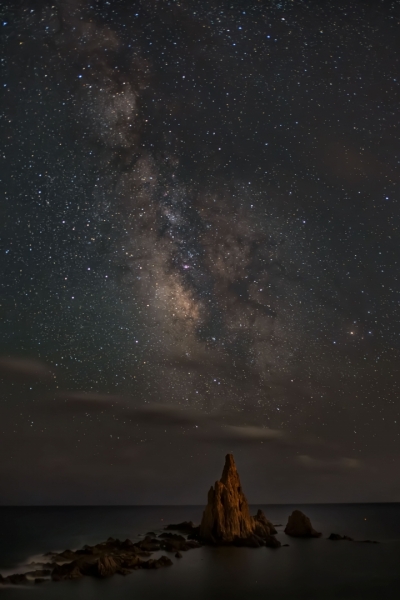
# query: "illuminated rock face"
[227,517]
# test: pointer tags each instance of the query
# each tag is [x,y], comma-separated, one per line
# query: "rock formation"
[337,537]
[227,519]
[299,525]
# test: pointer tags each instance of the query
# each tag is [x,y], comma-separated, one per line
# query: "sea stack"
[227,519]
[299,525]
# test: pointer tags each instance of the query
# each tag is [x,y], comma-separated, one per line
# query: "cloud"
[211,428]
[327,464]
[11,366]
[252,433]
[89,400]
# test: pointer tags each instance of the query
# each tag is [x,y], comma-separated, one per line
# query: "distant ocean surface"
[308,569]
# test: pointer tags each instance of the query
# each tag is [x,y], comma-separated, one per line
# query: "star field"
[199,248]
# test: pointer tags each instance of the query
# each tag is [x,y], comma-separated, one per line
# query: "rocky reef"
[105,559]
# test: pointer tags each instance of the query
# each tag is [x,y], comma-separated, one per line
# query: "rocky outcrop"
[184,527]
[299,525]
[227,515]
[67,571]
[262,526]
[227,519]
[105,559]
[15,579]
[336,537]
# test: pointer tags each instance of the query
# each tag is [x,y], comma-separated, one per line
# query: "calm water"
[307,570]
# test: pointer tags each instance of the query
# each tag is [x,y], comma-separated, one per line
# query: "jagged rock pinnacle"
[227,517]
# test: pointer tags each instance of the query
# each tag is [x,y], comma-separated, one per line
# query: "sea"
[308,569]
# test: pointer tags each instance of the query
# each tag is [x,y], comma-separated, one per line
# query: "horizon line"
[186,505]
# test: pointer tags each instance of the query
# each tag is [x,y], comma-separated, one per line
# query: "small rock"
[262,526]
[185,526]
[122,571]
[67,571]
[272,542]
[39,573]
[300,526]
[172,536]
[106,566]
[16,579]
[178,555]
[336,537]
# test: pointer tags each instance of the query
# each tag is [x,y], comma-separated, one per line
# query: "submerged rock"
[299,525]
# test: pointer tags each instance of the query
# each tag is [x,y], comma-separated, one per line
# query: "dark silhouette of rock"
[194,535]
[184,527]
[176,545]
[172,536]
[151,534]
[39,573]
[299,525]
[367,542]
[227,520]
[67,555]
[15,579]
[67,571]
[178,555]
[252,541]
[39,580]
[336,537]
[149,544]
[130,562]
[105,566]
[272,542]
[163,561]
[263,526]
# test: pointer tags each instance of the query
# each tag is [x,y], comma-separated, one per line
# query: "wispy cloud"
[336,463]
[11,366]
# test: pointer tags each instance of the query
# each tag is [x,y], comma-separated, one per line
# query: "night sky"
[199,250]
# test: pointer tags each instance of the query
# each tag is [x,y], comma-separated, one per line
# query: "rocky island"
[227,519]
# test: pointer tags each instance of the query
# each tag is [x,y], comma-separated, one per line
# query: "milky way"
[199,245]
